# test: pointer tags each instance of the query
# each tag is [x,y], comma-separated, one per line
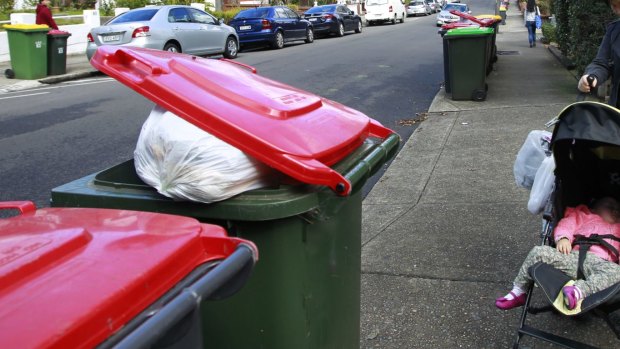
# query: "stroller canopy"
[586,149]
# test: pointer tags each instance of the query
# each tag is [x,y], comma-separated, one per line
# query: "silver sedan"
[170,28]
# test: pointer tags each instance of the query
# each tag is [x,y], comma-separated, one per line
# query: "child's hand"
[564,246]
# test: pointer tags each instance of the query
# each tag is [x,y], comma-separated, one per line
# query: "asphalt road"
[52,135]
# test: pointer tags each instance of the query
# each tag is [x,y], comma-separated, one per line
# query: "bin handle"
[21,206]
[188,300]
[246,66]
[127,57]
[375,159]
[467,16]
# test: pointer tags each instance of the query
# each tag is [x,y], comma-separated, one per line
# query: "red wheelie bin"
[85,278]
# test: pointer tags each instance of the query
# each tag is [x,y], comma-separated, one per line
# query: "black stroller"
[586,150]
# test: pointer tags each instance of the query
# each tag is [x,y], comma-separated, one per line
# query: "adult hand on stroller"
[564,246]
[584,85]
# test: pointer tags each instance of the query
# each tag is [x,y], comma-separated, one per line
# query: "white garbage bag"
[530,156]
[543,186]
[184,162]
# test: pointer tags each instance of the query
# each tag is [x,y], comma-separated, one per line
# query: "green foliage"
[132,3]
[580,28]
[548,31]
[106,8]
[226,15]
[562,29]
[6,5]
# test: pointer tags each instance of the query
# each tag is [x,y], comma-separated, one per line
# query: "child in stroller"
[586,153]
[600,265]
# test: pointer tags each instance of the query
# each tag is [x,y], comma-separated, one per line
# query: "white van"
[379,11]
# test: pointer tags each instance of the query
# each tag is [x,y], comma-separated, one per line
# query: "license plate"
[245,27]
[313,19]
[109,38]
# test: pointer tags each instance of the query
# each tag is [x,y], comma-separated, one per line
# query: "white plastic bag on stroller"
[532,153]
[542,187]
[184,162]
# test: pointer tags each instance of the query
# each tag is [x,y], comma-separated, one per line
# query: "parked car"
[333,19]
[418,7]
[273,25]
[170,28]
[434,4]
[445,16]
[379,11]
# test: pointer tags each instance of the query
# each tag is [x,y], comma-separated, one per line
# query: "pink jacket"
[581,221]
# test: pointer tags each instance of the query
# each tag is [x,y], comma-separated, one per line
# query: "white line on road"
[28,95]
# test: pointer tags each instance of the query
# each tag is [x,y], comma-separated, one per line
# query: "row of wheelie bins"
[469,52]
[305,290]
[36,51]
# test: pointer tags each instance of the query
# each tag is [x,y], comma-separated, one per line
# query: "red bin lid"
[71,277]
[294,131]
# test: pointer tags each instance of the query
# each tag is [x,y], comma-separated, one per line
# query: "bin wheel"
[479,95]
[9,73]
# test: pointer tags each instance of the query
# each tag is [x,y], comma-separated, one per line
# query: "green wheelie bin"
[305,292]
[57,52]
[469,52]
[27,50]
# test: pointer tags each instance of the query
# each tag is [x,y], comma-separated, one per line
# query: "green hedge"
[6,5]
[580,28]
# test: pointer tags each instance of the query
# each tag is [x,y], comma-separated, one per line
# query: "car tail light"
[266,24]
[89,38]
[328,16]
[391,9]
[140,32]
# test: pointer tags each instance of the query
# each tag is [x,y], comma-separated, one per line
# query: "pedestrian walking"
[606,64]
[44,15]
[529,17]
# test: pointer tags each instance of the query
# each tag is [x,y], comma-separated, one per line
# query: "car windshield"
[254,13]
[134,16]
[319,9]
[458,7]
[377,2]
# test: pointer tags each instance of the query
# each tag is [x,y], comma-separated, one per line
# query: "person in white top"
[531,10]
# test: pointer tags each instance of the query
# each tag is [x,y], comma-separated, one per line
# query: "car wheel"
[394,20]
[402,18]
[309,36]
[359,27]
[231,49]
[172,47]
[278,41]
[340,29]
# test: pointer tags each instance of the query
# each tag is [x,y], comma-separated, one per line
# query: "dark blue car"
[273,25]
[333,19]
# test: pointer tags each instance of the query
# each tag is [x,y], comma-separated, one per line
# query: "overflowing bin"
[305,292]
[85,278]
[468,55]
[57,52]
[27,50]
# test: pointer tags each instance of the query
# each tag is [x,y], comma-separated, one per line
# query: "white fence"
[76,42]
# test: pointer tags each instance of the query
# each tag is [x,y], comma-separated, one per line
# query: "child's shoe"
[505,304]
[572,296]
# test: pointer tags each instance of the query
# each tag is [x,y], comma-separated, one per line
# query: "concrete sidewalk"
[446,228]
[77,67]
